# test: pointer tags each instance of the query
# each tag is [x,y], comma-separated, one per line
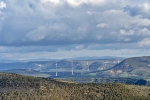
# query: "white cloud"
[116,19]
[79,47]
[146,8]
[52,1]
[2,5]
[37,35]
[141,22]
[102,25]
[144,32]
[127,39]
[2,49]
[61,54]
[124,32]
[89,12]
[76,3]
[145,42]
[114,11]
[82,22]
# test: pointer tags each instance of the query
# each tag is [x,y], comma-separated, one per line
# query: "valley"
[110,70]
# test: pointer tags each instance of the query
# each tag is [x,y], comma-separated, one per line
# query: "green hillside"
[17,87]
[134,67]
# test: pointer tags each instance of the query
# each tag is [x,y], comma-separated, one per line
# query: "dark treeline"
[131,81]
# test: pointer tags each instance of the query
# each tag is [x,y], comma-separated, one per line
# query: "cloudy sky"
[56,29]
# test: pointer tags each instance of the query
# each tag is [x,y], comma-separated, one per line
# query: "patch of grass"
[124,74]
[92,74]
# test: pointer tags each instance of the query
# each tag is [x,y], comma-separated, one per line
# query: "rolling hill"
[16,87]
[27,72]
[135,67]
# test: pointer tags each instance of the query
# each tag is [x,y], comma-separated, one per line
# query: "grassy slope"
[16,87]
[130,67]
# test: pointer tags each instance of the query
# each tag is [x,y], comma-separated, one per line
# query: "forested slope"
[17,87]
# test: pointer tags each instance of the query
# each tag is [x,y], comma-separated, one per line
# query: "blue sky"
[57,29]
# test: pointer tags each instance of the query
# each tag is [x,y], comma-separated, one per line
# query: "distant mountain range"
[64,67]
[135,67]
